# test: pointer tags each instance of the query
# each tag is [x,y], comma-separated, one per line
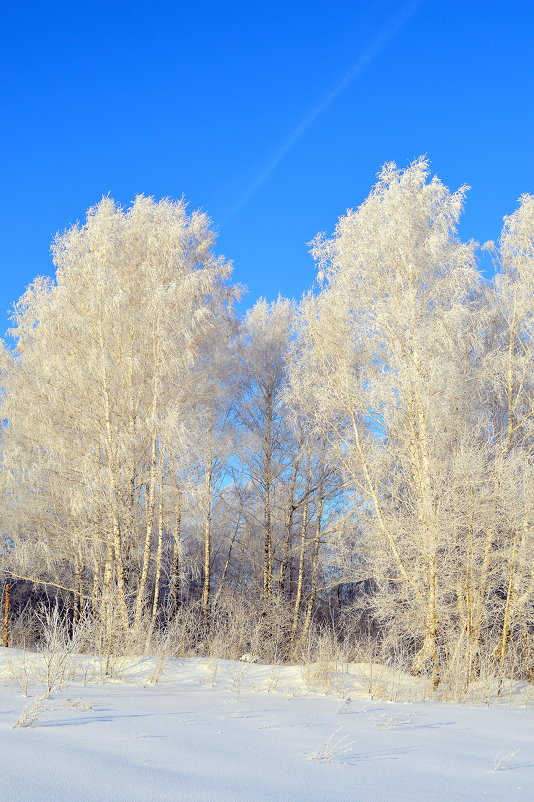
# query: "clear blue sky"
[272,117]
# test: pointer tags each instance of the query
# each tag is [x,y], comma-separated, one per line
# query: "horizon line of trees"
[362,457]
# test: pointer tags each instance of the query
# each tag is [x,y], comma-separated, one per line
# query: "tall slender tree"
[104,384]
[381,371]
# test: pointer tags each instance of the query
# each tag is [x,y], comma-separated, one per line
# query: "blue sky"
[272,117]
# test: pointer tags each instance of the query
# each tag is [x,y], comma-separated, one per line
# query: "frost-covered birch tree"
[103,389]
[507,378]
[268,446]
[382,371]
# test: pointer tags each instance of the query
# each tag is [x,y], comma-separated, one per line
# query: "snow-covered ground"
[220,730]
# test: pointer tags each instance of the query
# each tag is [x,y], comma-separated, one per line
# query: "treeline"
[361,460]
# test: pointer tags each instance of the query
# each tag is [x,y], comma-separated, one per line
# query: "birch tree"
[103,386]
[508,383]
[381,372]
[268,444]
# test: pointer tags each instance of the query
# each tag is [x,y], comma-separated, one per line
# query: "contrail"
[389,30]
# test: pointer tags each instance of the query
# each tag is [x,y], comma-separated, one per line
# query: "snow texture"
[222,730]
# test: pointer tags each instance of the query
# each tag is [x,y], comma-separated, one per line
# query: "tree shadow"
[381,754]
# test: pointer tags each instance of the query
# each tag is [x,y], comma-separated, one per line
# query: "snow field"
[223,730]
